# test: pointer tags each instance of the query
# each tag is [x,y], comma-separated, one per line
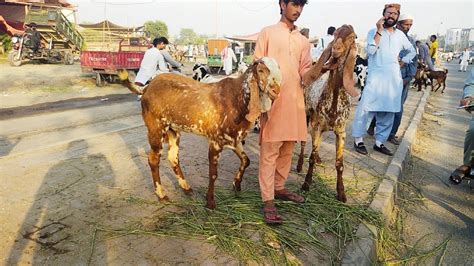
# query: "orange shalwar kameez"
[285,123]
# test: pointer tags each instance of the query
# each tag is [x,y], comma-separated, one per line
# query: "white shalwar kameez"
[464,61]
[383,89]
[228,56]
[153,63]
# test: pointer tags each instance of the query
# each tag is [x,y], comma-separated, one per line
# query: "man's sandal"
[289,196]
[270,216]
[458,175]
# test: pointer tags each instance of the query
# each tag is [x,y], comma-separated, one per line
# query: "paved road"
[447,210]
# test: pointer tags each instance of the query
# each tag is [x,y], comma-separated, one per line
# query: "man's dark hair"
[331,30]
[433,36]
[417,42]
[297,2]
[159,40]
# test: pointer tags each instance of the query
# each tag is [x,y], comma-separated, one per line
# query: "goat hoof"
[305,187]
[342,198]
[237,187]
[188,192]
[164,199]
[211,205]
[299,169]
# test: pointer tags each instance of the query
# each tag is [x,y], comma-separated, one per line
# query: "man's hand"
[379,24]
[401,63]
[465,101]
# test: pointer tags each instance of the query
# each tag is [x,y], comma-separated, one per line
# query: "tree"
[156,29]
[202,39]
[186,36]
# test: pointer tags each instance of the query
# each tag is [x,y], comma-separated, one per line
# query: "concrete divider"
[363,250]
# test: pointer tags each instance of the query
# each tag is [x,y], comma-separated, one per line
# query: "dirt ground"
[69,172]
[432,209]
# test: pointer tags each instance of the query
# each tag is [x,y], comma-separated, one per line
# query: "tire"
[68,58]
[12,59]
[99,80]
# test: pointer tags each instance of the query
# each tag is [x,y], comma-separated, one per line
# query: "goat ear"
[316,70]
[347,74]
[254,102]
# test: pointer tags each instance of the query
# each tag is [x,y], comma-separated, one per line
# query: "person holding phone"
[383,90]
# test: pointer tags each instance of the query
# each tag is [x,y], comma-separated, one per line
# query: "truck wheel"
[12,57]
[68,58]
[99,80]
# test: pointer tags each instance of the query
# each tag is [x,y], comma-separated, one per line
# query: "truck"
[59,39]
[105,64]
[214,47]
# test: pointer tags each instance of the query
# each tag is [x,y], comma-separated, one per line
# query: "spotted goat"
[327,102]
[221,111]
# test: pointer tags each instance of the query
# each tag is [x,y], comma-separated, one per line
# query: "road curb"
[363,250]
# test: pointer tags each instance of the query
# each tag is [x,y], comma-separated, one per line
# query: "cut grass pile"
[321,227]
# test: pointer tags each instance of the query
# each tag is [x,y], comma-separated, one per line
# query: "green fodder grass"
[321,226]
[392,247]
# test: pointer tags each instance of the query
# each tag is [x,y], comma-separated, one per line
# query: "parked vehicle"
[105,64]
[22,51]
[215,46]
[59,41]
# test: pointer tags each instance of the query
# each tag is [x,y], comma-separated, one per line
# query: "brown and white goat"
[221,111]
[327,100]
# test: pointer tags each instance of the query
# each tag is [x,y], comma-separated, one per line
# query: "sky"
[244,17]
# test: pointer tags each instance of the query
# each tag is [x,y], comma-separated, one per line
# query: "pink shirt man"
[286,121]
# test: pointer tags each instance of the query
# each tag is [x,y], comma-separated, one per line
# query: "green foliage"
[201,39]
[6,41]
[187,36]
[156,29]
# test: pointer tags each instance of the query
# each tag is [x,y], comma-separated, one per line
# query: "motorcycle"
[24,50]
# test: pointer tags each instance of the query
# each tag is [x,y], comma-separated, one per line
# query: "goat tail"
[123,76]
[446,71]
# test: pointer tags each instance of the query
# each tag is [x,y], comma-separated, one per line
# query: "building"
[459,38]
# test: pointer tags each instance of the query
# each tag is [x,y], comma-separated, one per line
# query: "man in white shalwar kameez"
[228,56]
[382,93]
[464,60]
[152,63]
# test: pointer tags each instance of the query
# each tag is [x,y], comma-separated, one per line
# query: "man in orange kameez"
[285,123]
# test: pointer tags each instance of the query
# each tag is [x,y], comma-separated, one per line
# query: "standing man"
[228,57]
[433,48]
[423,52]
[383,90]
[323,42]
[285,123]
[152,63]
[408,72]
[464,60]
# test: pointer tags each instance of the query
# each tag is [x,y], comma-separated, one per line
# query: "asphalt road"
[440,210]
